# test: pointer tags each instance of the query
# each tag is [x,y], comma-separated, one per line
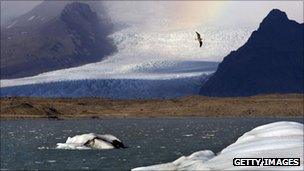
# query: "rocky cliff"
[271,61]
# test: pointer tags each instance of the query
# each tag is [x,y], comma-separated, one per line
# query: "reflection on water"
[30,144]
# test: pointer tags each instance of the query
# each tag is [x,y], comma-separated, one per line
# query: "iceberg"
[274,140]
[91,141]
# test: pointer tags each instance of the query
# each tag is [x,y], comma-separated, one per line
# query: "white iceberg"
[91,141]
[275,140]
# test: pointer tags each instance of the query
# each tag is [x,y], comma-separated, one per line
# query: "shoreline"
[143,117]
[275,105]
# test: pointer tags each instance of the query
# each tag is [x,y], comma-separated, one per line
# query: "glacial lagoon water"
[31,144]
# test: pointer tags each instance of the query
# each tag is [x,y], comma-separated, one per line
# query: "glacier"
[148,64]
[110,88]
[275,140]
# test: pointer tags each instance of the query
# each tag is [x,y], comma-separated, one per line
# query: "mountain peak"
[77,7]
[276,30]
[70,35]
[271,61]
[277,13]
[275,16]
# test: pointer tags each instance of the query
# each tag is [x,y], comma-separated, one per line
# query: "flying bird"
[199,38]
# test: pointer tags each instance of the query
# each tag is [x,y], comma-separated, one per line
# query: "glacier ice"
[111,88]
[274,140]
[171,52]
[148,64]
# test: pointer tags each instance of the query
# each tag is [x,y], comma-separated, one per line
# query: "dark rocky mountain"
[55,35]
[271,61]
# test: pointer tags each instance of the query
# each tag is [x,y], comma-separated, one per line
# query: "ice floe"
[91,141]
[275,140]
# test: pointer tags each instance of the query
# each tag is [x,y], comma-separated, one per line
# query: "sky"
[11,9]
[175,14]
[194,13]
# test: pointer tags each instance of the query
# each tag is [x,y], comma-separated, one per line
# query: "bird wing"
[198,35]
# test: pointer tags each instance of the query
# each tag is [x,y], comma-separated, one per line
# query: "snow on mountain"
[12,24]
[32,17]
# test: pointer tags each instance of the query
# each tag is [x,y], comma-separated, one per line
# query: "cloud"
[166,15]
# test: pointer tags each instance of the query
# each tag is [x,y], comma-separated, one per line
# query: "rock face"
[271,61]
[54,35]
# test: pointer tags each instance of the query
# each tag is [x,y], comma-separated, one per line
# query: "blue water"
[30,144]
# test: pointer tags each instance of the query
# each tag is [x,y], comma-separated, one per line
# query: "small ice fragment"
[51,161]
[188,135]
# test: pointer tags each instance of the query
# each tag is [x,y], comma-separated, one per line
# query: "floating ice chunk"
[91,141]
[275,140]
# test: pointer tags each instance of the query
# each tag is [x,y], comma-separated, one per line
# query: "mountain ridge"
[271,61]
[33,44]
